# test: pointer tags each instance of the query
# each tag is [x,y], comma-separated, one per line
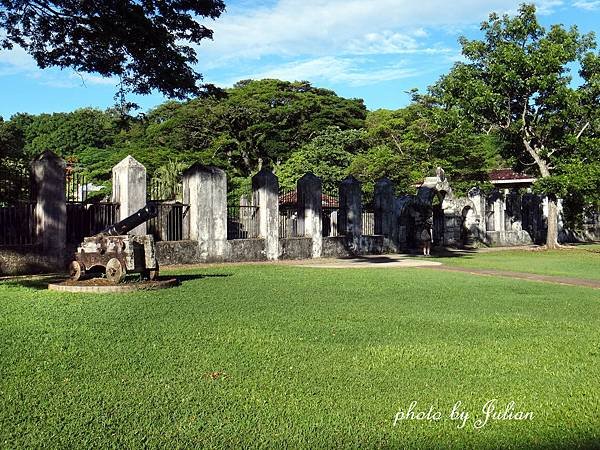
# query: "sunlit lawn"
[264,356]
[582,261]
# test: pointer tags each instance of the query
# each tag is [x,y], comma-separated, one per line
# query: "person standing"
[426,238]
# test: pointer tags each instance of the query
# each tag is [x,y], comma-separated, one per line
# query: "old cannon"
[117,253]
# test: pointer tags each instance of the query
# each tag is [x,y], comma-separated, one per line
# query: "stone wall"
[336,247]
[508,238]
[29,260]
[241,250]
[177,252]
[342,247]
[504,217]
[588,234]
[189,252]
[295,248]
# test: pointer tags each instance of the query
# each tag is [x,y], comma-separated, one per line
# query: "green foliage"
[382,162]
[166,182]
[12,142]
[425,136]
[141,43]
[68,134]
[256,124]
[328,156]
[517,83]
[578,185]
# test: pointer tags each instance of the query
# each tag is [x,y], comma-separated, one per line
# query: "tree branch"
[587,124]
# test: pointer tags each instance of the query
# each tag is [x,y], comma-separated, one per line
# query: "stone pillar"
[129,189]
[205,190]
[49,192]
[265,188]
[479,226]
[385,219]
[350,220]
[499,212]
[309,189]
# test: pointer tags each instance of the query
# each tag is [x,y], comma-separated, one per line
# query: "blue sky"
[370,49]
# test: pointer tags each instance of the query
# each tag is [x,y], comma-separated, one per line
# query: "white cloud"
[350,71]
[296,28]
[547,7]
[588,5]
[388,42]
[18,61]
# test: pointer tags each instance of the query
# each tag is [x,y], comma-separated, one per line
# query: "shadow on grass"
[191,277]
[437,252]
[41,282]
[36,282]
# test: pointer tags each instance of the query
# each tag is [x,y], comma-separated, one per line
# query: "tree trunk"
[552,235]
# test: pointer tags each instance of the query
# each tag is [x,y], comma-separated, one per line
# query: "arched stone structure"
[436,202]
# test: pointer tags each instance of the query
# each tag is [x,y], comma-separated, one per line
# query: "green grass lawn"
[265,356]
[582,261]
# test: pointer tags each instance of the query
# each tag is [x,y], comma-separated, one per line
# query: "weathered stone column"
[49,192]
[350,217]
[479,226]
[129,189]
[384,211]
[499,212]
[265,188]
[309,189]
[205,190]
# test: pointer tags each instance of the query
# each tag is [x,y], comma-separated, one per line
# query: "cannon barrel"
[129,223]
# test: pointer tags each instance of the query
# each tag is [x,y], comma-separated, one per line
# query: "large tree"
[255,123]
[146,43]
[517,82]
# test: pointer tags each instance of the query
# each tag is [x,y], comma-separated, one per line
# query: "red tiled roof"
[508,175]
[291,198]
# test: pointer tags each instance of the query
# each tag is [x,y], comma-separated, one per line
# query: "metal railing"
[88,219]
[242,222]
[15,185]
[76,186]
[368,222]
[158,190]
[289,225]
[169,223]
[330,215]
[18,224]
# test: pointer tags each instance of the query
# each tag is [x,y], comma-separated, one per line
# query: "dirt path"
[594,284]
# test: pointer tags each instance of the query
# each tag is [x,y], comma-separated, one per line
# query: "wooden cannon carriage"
[116,253]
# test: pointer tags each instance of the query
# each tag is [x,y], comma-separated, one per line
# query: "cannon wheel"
[76,270]
[115,271]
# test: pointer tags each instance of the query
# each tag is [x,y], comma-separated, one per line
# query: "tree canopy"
[517,82]
[144,43]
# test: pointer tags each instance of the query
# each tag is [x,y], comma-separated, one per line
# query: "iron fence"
[18,224]
[289,225]
[77,188]
[89,219]
[368,222]
[170,222]
[158,190]
[330,215]
[242,222]
[15,185]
